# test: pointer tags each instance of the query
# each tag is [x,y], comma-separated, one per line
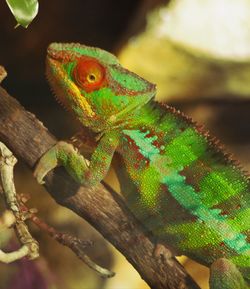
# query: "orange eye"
[89,74]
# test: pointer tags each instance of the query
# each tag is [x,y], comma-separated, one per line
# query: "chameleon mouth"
[54,85]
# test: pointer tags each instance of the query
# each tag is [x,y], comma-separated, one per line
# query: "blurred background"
[198,54]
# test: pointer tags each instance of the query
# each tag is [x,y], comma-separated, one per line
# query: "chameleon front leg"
[84,172]
[225,275]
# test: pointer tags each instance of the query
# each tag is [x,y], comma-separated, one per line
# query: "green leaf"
[23,10]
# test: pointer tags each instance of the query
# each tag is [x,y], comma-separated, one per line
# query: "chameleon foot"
[54,157]
[63,154]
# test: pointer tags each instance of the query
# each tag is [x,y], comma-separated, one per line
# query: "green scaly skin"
[176,179]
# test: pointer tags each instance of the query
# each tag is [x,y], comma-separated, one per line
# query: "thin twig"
[29,244]
[75,244]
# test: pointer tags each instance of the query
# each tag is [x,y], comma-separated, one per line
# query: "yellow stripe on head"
[73,90]
[80,100]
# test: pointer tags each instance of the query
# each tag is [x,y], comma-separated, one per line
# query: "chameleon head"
[92,84]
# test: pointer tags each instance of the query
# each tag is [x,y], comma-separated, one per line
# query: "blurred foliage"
[23,10]
[194,49]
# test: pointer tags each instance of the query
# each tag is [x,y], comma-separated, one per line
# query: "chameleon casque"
[175,178]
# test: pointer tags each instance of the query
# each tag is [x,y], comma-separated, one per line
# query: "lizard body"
[175,178]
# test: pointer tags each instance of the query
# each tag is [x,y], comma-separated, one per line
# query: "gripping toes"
[54,157]
[63,154]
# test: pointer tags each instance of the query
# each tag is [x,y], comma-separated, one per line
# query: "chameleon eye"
[89,74]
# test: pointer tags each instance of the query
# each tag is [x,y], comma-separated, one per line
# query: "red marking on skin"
[137,166]
[139,159]
[89,74]
[138,156]
[193,219]
[131,141]
[159,134]
[119,90]
[60,56]
[157,144]
[224,213]
[222,244]
[150,134]
[123,90]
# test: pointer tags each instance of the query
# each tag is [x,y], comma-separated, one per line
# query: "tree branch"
[104,209]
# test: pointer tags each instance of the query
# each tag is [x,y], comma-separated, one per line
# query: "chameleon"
[176,179]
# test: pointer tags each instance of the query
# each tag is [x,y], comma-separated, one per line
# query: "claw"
[61,153]
[47,163]
[40,172]
[38,178]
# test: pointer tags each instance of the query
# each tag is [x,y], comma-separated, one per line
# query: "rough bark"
[28,139]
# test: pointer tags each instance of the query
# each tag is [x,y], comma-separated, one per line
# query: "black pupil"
[92,77]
